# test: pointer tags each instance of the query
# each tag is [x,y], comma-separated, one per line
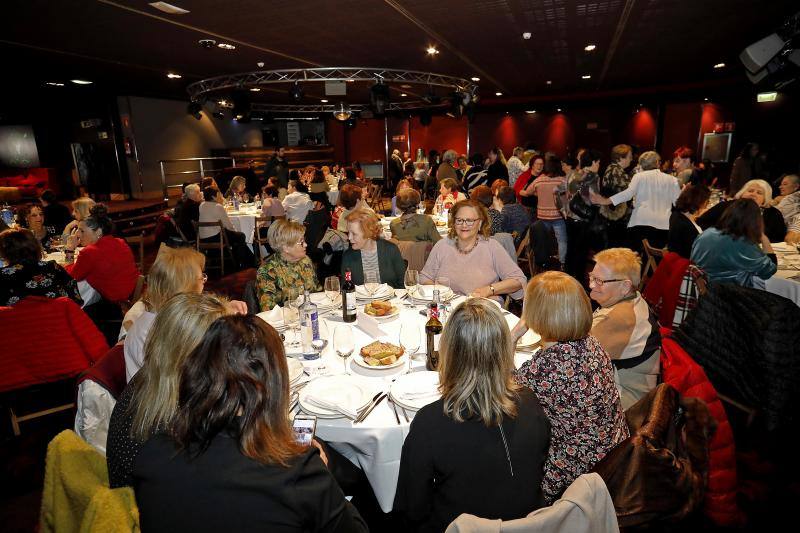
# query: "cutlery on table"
[369,409]
[394,409]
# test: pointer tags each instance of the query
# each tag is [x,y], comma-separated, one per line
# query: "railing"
[202,170]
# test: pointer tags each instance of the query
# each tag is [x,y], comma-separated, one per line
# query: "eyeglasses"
[204,277]
[468,222]
[597,282]
[301,242]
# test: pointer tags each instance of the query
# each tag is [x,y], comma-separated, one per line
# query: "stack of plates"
[341,390]
[425,295]
[384,291]
[323,303]
[415,390]
[530,339]
[295,375]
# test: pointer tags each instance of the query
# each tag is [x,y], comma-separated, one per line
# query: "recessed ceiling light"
[531,111]
[81,82]
[54,83]
[226,46]
[168,8]
[174,76]
[549,82]
[324,101]
[586,76]
[498,93]
[589,47]
[432,50]
[705,99]
[527,35]
[403,94]
[475,78]
[255,89]
[558,109]
[405,86]
[719,65]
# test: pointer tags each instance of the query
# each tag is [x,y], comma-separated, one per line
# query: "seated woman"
[516,217]
[449,195]
[31,217]
[212,211]
[730,253]
[485,431]
[149,402]
[211,182]
[624,324]
[80,210]
[683,228]
[25,272]
[231,443]
[483,194]
[318,182]
[573,379]
[349,197]
[475,264]
[236,189]
[331,178]
[105,262]
[411,226]
[760,192]
[318,219]
[297,203]
[368,252]
[401,185]
[289,269]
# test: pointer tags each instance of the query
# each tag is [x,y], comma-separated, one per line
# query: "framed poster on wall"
[717,147]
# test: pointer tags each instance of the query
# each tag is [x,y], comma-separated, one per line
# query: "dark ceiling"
[128,47]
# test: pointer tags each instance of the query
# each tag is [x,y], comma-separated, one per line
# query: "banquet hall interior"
[456,240]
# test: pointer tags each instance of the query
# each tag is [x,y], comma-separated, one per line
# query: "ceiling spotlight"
[174,76]
[531,111]
[586,77]
[81,82]
[558,110]
[405,86]
[379,97]
[527,35]
[498,93]
[350,80]
[403,94]
[195,109]
[54,84]
[324,101]
[223,103]
[719,65]
[549,82]
[226,46]
[589,47]
[342,112]
[296,92]
[705,99]
[255,89]
[260,64]
[475,78]
[432,50]
[207,43]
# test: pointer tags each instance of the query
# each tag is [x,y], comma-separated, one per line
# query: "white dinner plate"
[393,313]
[383,291]
[418,384]
[295,369]
[342,390]
[530,338]
[360,362]
[445,294]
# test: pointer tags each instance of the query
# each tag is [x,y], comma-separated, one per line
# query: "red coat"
[679,370]
[108,266]
[45,340]
[663,288]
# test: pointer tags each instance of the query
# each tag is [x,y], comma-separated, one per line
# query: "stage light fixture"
[498,93]
[757,55]
[379,97]
[586,77]
[719,65]
[475,78]
[81,82]
[195,109]
[432,50]
[218,114]
[296,92]
[174,76]
[342,112]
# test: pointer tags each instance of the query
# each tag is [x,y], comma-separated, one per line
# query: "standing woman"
[485,431]
[524,187]
[743,169]
[545,188]
[496,169]
[515,165]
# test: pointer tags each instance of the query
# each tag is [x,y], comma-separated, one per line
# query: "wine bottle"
[348,298]
[432,328]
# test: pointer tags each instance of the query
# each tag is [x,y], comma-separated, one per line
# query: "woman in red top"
[524,184]
[105,262]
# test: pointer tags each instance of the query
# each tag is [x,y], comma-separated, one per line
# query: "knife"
[369,409]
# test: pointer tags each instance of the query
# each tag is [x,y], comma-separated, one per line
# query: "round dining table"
[376,443]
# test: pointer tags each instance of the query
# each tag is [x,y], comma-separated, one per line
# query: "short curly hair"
[349,195]
[483,215]
[370,223]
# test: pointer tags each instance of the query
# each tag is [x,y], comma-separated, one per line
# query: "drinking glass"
[343,343]
[371,282]
[332,288]
[410,339]
[291,316]
[442,283]
[410,280]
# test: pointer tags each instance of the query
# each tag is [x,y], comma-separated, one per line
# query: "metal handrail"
[201,170]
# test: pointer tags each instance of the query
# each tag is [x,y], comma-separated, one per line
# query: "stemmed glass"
[332,289]
[410,340]
[291,316]
[343,343]
[410,280]
[442,283]
[371,282]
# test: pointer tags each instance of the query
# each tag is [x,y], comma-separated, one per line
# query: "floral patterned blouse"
[276,277]
[40,278]
[574,382]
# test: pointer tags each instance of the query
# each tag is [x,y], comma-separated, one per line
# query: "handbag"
[335,239]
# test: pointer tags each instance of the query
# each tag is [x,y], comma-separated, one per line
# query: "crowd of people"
[203,416]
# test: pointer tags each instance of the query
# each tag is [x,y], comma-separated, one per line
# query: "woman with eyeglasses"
[475,264]
[624,324]
[289,269]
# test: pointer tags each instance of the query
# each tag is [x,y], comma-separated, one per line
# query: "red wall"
[443,133]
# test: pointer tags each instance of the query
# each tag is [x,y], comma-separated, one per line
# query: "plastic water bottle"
[8,215]
[257,202]
[235,202]
[309,327]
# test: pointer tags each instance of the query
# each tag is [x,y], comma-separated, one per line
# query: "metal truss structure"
[210,87]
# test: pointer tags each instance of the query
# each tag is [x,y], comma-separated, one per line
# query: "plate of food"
[380,356]
[381,310]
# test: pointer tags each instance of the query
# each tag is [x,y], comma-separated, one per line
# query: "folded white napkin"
[319,402]
[418,395]
[273,317]
[383,288]
[369,325]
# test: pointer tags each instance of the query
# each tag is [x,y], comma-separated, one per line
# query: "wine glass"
[332,288]
[291,316]
[410,281]
[343,343]
[410,339]
[371,282]
[442,283]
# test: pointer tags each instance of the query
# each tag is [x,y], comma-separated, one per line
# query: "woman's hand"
[237,307]
[598,199]
[766,246]
[482,292]
[73,240]
[322,454]
[519,330]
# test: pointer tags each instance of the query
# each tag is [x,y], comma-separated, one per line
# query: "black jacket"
[278,167]
[56,218]
[682,234]
[187,211]
[448,468]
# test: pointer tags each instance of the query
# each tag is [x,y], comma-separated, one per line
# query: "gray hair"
[284,233]
[649,160]
[192,187]
[450,156]
[764,187]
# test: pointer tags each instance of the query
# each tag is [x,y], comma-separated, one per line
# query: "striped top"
[545,187]
[369,262]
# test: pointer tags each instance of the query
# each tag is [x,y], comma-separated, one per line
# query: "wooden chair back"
[652,256]
[524,253]
[220,244]
[258,240]
[137,243]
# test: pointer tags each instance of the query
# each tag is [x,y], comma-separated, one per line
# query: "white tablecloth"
[375,445]
[786,281]
[244,220]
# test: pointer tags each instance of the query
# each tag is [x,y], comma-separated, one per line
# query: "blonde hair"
[483,215]
[649,160]
[370,223]
[285,233]
[176,332]
[622,262]
[764,187]
[172,272]
[476,364]
[557,308]
[82,206]
[234,184]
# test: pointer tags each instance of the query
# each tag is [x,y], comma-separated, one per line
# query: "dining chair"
[652,255]
[262,222]
[221,244]
[137,242]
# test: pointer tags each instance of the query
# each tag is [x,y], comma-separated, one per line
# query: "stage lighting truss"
[211,88]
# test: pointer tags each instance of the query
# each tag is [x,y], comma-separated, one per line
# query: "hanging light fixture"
[342,111]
